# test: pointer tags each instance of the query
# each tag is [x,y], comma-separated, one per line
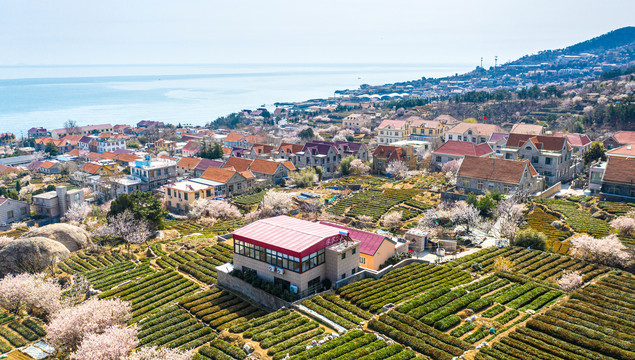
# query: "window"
[169,192]
[466,183]
[353,251]
[23,211]
[438,159]
[508,156]
[534,159]
[208,193]
[362,260]
[343,276]
[343,256]
[353,272]
[479,185]
[548,161]
[449,136]
[10,214]
[185,196]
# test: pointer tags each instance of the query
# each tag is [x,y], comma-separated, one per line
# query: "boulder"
[32,255]
[73,237]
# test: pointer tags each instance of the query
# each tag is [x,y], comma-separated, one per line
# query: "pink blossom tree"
[365,131]
[217,209]
[359,167]
[160,353]
[398,169]
[35,294]
[69,326]
[570,281]
[607,251]
[114,343]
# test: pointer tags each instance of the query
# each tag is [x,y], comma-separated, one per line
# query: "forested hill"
[619,38]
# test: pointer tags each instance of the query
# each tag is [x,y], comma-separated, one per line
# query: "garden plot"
[220,350]
[371,203]
[616,208]
[595,323]
[580,220]
[174,327]
[337,310]
[110,276]
[82,262]
[200,265]
[219,309]
[249,199]
[16,333]
[540,221]
[400,285]
[152,291]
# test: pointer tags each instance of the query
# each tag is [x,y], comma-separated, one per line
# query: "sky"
[60,32]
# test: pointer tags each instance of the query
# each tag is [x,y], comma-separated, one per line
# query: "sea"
[48,96]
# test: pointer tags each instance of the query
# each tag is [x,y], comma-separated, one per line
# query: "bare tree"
[71,127]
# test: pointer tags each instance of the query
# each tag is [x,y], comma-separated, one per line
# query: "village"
[341,232]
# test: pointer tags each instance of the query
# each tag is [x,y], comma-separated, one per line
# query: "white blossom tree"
[78,212]
[160,353]
[625,224]
[359,167]
[276,203]
[570,281]
[5,240]
[365,131]
[607,251]
[217,209]
[32,293]
[114,343]
[392,220]
[69,326]
[465,214]
[398,169]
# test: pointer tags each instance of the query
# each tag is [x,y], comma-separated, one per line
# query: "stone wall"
[227,281]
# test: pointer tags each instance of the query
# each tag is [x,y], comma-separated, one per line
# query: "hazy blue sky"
[301,31]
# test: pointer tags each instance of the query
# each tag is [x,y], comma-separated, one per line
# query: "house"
[37,132]
[528,129]
[287,151]
[497,141]
[390,131]
[54,204]
[181,196]
[627,151]
[165,145]
[457,150]
[618,180]
[187,166]
[272,172]
[260,151]
[82,130]
[103,144]
[551,156]
[232,182]
[295,254]
[101,168]
[13,211]
[84,143]
[237,163]
[204,164]
[236,140]
[33,166]
[356,121]
[480,174]
[154,172]
[421,129]
[191,149]
[447,120]
[50,167]
[385,154]
[620,138]
[579,142]
[470,132]
[356,149]
[374,249]
[120,129]
[126,160]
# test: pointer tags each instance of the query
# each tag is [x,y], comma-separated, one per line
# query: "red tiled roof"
[288,235]
[370,242]
[127,157]
[627,150]
[47,165]
[264,166]
[247,174]
[227,150]
[290,148]
[262,149]
[624,137]
[463,148]
[493,169]
[395,124]
[620,170]
[192,146]
[446,119]
[218,174]
[255,139]
[575,139]
[477,129]
[389,152]
[188,163]
[549,143]
[531,129]
[233,137]
[91,168]
[239,164]
[74,152]
[93,156]
[107,155]
[289,165]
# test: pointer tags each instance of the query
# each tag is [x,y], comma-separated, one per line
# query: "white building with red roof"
[390,131]
[295,254]
[579,142]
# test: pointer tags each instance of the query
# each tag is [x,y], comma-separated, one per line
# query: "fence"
[550,191]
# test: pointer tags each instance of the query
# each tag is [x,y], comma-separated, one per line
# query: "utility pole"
[495,63]
[481,62]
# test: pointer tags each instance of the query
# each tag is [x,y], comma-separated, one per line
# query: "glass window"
[343,256]
[548,161]
[353,251]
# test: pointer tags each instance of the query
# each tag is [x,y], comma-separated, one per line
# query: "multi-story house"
[551,156]
[390,131]
[260,151]
[82,130]
[54,204]
[385,154]
[470,132]
[271,172]
[154,172]
[480,174]
[617,181]
[231,182]
[579,142]
[421,129]
[287,151]
[323,154]
[186,166]
[620,138]
[180,196]
[37,132]
[13,210]
[457,150]
[107,144]
[356,121]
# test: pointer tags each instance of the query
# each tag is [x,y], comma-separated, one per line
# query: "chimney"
[61,198]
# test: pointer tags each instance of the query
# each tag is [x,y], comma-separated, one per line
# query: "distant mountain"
[620,38]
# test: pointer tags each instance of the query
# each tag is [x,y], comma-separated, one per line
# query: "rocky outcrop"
[72,237]
[32,255]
